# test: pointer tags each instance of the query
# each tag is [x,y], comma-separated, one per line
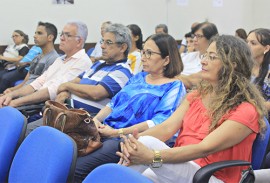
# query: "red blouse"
[196,127]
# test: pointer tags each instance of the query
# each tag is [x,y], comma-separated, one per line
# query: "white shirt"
[192,63]
[62,71]
[97,52]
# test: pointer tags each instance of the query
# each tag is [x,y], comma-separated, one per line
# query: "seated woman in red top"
[219,121]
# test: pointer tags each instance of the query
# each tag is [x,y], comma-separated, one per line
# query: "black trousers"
[105,154]
[8,78]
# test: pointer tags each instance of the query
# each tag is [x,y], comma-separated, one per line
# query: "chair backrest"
[12,132]
[260,148]
[46,155]
[115,173]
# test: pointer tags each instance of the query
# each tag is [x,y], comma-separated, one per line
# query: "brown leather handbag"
[77,123]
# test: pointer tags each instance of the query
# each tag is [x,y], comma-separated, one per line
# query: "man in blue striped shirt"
[94,88]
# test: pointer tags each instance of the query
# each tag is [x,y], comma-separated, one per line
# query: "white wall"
[24,15]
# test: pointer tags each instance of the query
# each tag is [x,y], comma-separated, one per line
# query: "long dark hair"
[208,29]
[168,47]
[263,37]
[136,31]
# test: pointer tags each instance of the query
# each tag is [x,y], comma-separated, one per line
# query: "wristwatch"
[157,161]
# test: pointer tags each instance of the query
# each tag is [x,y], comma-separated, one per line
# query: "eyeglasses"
[148,53]
[109,42]
[198,36]
[66,35]
[209,57]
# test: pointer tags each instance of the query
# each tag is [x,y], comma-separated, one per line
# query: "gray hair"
[82,30]
[107,23]
[163,26]
[122,35]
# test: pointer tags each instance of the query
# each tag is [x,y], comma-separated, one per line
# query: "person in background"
[9,77]
[146,101]
[203,32]
[134,56]
[218,122]
[184,44]
[44,38]
[15,52]
[190,44]
[241,33]
[64,69]
[259,43]
[97,52]
[161,28]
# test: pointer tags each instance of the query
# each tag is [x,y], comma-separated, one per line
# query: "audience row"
[131,87]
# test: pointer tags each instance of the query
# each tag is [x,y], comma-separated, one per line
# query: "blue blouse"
[139,101]
[265,88]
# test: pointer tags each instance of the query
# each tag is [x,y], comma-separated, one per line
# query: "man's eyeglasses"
[198,36]
[109,42]
[148,53]
[209,57]
[67,35]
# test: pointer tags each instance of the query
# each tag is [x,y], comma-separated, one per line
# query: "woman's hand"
[107,131]
[97,122]
[123,158]
[134,152]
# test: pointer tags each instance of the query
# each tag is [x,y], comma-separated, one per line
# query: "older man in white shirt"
[64,69]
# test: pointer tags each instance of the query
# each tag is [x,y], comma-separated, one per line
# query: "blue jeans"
[105,154]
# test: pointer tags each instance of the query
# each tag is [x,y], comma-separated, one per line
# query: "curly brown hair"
[234,86]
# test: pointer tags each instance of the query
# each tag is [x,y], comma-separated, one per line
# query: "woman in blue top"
[259,43]
[147,100]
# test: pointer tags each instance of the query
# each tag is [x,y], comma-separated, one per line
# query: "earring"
[264,52]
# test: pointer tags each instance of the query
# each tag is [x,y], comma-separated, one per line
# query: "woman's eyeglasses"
[198,36]
[206,56]
[148,53]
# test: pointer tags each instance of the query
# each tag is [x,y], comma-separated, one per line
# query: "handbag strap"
[46,115]
[60,118]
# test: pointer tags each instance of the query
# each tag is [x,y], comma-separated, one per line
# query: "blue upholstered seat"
[12,131]
[46,155]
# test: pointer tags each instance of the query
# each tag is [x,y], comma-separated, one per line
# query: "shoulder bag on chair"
[77,123]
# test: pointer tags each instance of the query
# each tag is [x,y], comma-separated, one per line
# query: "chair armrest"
[204,173]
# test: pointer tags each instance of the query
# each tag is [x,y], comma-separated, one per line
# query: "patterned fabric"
[134,60]
[139,101]
[112,77]
[265,88]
